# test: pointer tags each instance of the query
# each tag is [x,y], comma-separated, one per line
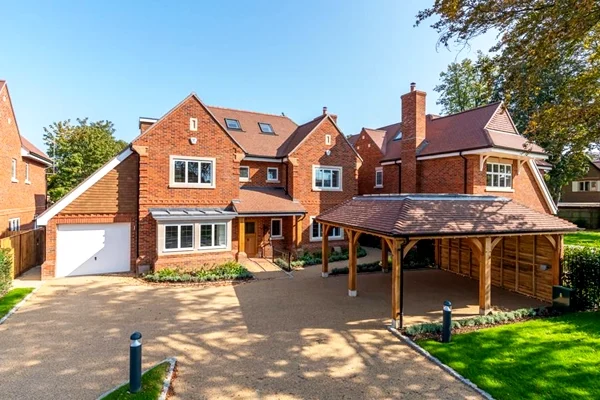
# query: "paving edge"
[166,383]
[440,364]
[18,305]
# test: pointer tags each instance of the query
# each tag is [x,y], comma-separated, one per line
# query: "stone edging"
[166,383]
[18,305]
[440,364]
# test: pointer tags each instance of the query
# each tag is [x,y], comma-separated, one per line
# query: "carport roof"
[435,215]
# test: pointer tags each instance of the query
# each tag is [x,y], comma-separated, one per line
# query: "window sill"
[190,186]
[14,180]
[277,238]
[331,239]
[28,182]
[270,181]
[245,180]
[499,189]
[188,250]
[378,186]
[326,190]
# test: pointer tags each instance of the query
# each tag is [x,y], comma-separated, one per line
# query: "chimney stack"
[324,110]
[413,134]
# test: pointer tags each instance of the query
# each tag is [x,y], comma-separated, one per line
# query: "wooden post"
[485,277]
[557,257]
[352,264]
[325,251]
[242,235]
[533,283]
[517,265]
[384,255]
[298,242]
[397,257]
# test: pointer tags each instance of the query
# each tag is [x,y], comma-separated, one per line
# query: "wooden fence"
[26,249]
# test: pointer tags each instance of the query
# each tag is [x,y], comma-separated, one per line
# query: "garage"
[86,249]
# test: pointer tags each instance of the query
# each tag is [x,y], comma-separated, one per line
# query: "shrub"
[228,271]
[581,271]
[317,257]
[368,267]
[5,271]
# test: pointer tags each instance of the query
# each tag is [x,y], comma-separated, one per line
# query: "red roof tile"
[439,215]
[266,201]
[298,136]
[27,145]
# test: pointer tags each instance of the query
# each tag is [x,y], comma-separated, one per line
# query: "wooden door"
[250,229]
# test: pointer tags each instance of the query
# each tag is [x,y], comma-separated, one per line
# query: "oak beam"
[558,255]
[397,261]
[325,251]
[485,277]
[384,255]
[352,269]
[298,242]
[242,235]
[409,246]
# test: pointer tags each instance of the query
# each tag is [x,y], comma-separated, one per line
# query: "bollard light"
[135,363]
[447,324]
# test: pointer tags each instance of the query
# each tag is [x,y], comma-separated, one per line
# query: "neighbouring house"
[477,151]
[580,200]
[23,173]
[202,185]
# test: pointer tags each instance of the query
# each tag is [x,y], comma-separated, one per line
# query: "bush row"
[368,267]
[491,319]
[581,271]
[5,271]
[221,272]
[317,257]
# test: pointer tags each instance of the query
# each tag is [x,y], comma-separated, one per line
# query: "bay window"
[213,236]
[179,237]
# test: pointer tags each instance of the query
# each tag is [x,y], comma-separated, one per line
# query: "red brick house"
[478,151]
[23,173]
[580,200]
[201,185]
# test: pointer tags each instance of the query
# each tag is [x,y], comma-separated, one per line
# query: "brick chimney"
[413,134]
[333,116]
[146,123]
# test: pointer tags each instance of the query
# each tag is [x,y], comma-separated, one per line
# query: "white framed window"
[179,237]
[266,128]
[379,177]
[244,174]
[499,176]
[276,228]
[14,224]
[316,231]
[272,174]
[213,236]
[193,124]
[586,186]
[192,172]
[27,181]
[233,124]
[14,170]
[328,139]
[327,178]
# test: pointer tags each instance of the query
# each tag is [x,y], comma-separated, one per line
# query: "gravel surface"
[300,338]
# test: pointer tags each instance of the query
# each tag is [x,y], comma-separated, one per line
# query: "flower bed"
[229,271]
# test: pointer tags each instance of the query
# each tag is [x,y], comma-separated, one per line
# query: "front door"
[250,229]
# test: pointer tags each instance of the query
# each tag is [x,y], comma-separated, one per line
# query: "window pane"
[206,236]
[249,228]
[272,174]
[495,180]
[171,237]
[509,169]
[335,232]
[316,231]
[206,173]
[489,180]
[187,236]
[319,178]
[327,178]
[335,178]
[489,167]
[192,172]
[275,227]
[508,181]
[220,235]
[495,167]
[179,171]
[502,181]
[502,170]
[244,172]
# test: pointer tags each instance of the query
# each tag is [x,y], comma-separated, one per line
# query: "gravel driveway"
[299,338]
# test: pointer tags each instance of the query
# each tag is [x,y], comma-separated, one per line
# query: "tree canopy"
[78,150]
[549,69]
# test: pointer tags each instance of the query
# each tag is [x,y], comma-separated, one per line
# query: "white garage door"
[84,249]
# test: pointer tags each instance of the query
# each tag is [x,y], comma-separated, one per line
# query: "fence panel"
[26,249]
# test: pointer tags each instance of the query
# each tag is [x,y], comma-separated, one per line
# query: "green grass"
[152,382]
[12,298]
[583,238]
[551,358]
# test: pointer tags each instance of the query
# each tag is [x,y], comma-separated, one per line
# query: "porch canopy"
[482,222]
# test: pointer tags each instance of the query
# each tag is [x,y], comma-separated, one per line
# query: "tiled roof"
[266,201]
[377,135]
[352,139]
[298,136]
[596,164]
[27,145]
[250,137]
[487,126]
[439,215]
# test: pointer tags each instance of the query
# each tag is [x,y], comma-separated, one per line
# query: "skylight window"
[265,128]
[233,124]
[398,135]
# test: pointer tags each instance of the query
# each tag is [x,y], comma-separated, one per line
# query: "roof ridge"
[387,126]
[252,112]
[496,103]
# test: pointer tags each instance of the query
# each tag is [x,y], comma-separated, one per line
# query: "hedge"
[222,272]
[369,267]
[5,271]
[316,258]
[581,271]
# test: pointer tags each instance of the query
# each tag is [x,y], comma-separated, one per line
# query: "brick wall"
[371,154]
[441,175]
[17,199]
[258,174]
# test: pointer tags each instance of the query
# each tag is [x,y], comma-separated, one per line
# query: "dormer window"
[233,124]
[398,135]
[266,128]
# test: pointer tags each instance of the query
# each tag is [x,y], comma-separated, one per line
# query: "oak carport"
[481,223]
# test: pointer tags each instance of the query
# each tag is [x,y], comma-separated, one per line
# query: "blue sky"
[122,60]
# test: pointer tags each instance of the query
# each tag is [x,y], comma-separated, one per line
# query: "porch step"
[262,268]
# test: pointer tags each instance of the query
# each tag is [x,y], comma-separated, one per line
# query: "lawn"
[12,298]
[152,384]
[552,358]
[583,238]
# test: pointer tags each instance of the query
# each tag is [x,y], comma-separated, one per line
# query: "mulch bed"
[198,284]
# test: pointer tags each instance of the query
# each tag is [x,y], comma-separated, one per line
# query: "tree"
[78,151]
[467,84]
[547,53]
